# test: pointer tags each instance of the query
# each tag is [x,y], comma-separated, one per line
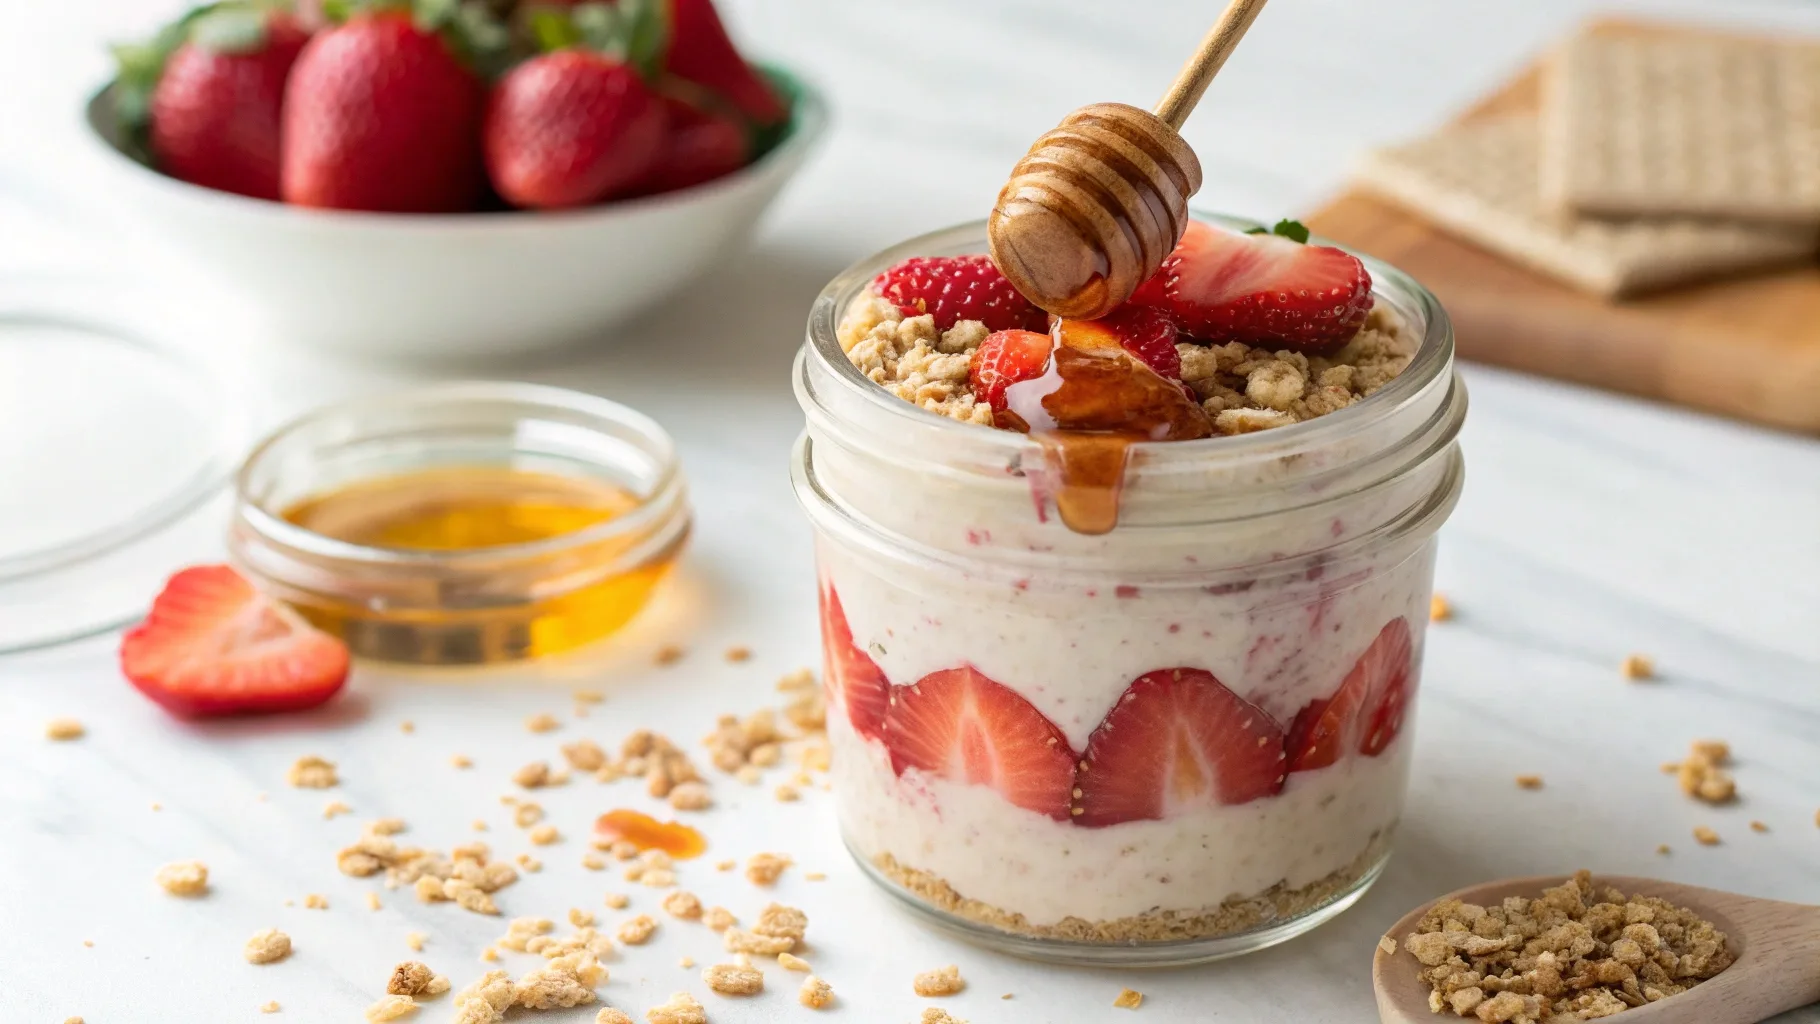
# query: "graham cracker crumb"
[691,796]
[63,729]
[334,807]
[533,775]
[271,1006]
[520,932]
[490,955]
[618,900]
[588,696]
[584,755]
[765,868]
[486,1000]
[544,722]
[749,774]
[580,918]
[469,897]
[609,1015]
[1578,952]
[563,981]
[792,962]
[681,1009]
[718,919]
[779,921]
[943,981]
[669,654]
[184,878]
[637,931]
[1438,608]
[1701,775]
[527,814]
[414,940]
[937,1015]
[1638,667]
[815,993]
[1663,850]
[682,904]
[529,863]
[267,947]
[478,825]
[385,826]
[461,761]
[733,980]
[545,835]
[1128,999]
[1529,782]
[686,962]
[787,794]
[315,901]
[593,862]
[1388,945]
[739,654]
[1706,836]
[737,941]
[391,1008]
[1758,826]
[312,772]
[409,978]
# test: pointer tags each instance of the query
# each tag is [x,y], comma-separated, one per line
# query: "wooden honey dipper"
[1096,204]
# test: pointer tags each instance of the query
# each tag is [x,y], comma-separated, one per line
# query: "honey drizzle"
[647,833]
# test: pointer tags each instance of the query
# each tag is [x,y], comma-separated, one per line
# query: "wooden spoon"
[1095,205]
[1777,946]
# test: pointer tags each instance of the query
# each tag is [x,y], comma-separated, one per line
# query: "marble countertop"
[1592,527]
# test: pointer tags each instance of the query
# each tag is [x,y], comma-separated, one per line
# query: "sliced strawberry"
[850,673]
[1002,360]
[1177,741]
[1099,386]
[1263,289]
[1365,713]
[956,288]
[212,645]
[1147,333]
[957,724]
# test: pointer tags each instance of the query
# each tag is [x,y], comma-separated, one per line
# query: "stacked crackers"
[1656,158]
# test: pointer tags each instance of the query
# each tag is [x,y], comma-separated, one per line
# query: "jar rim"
[1433,358]
[662,501]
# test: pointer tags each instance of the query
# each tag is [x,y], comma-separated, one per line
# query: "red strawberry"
[700,51]
[212,645]
[1002,360]
[701,145]
[215,108]
[379,115]
[1366,712]
[1175,742]
[955,288]
[571,128]
[852,678]
[1099,386]
[959,725]
[1263,289]
[1149,334]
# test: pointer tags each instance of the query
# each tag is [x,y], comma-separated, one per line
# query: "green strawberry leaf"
[1290,229]
[603,28]
[142,64]
[230,30]
[551,29]
[647,38]
[479,38]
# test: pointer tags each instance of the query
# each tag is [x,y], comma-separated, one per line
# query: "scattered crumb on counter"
[618,900]
[63,729]
[718,919]
[815,993]
[943,981]
[1438,609]
[267,947]
[1529,782]
[311,772]
[1638,667]
[184,878]
[1663,850]
[792,962]
[533,775]
[545,835]
[334,807]
[1758,826]
[739,654]
[638,930]
[937,1015]
[407,727]
[269,1007]
[733,979]
[315,901]
[685,905]
[1129,999]
[391,1008]
[609,1015]
[414,940]
[764,868]
[1702,775]
[681,1009]
[669,654]
[461,761]
[1706,836]
[543,722]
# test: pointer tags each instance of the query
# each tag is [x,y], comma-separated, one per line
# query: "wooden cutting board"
[1748,347]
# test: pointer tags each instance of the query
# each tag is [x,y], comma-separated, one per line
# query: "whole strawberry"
[699,50]
[381,115]
[955,288]
[213,113]
[702,144]
[571,128]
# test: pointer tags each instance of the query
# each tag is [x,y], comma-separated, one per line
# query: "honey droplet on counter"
[647,833]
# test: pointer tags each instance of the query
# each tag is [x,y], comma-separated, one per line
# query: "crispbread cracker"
[1479,181]
[1683,123]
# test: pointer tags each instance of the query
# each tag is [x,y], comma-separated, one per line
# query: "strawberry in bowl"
[401,178]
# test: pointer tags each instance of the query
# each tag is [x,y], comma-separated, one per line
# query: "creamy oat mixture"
[1243,388]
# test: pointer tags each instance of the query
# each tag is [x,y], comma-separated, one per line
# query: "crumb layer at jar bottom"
[1237,926]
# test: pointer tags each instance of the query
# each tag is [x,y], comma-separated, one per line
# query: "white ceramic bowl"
[451,285]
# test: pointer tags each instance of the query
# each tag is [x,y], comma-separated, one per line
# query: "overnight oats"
[1123,619]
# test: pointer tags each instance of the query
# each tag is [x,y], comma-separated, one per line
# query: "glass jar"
[1177,741]
[465,523]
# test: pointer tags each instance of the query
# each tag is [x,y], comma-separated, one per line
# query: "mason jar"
[1183,739]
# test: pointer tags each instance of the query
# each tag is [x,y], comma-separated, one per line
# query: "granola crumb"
[533,776]
[779,921]
[334,807]
[529,863]
[584,695]
[1663,850]
[937,1015]
[943,981]
[815,876]
[1128,999]
[749,774]
[1706,836]
[787,794]
[815,993]
[63,729]
[764,868]
[461,761]
[729,865]
[1638,667]
[681,1009]
[733,979]
[686,962]
[478,825]
[637,931]
[685,905]
[527,814]
[545,835]
[409,978]
[391,1008]
[414,940]
[270,1006]
[669,654]
[543,722]
[1578,952]
[490,955]
[593,862]
[736,941]
[1758,826]
[469,897]
[739,654]
[1702,776]
[407,727]
[566,980]
[718,919]
[267,947]
[609,1015]
[691,796]
[580,918]
[584,755]
[618,900]
[184,878]
[486,1000]
[156,806]
[315,901]
[1439,610]
[1388,945]
[792,962]
[1529,782]
[312,772]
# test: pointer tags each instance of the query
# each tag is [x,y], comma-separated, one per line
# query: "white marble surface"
[1592,526]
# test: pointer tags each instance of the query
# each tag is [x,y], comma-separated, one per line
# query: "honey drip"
[1092,402]
[647,833]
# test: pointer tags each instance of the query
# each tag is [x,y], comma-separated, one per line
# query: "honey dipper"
[1095,205]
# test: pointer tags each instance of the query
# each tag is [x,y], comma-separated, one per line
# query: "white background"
[1592,526]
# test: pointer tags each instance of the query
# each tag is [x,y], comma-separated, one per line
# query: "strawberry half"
[1178,740]
[957,724]
[1004,359]
[212,645]
[956,288]
[1262,289]
[853,680]
[1366,712]
[1149,334]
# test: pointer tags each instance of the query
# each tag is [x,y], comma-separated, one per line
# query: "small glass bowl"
[465,605]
